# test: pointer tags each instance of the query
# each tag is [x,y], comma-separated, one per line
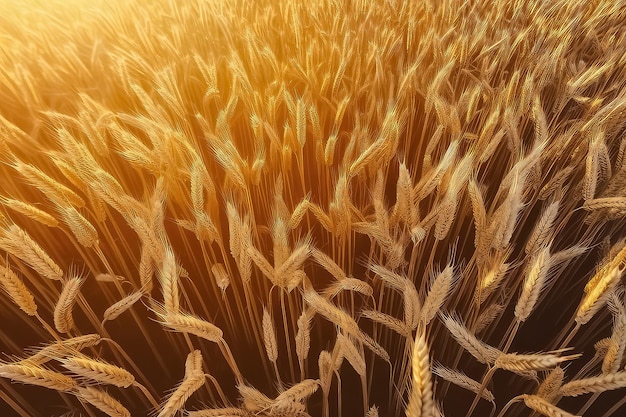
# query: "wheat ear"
[102,401]
[99,371]
[421,398]
[601,383]
[30,211]
[541,406]
[181,394]
[187,323]
[63,320]
[481,351]
[31,374]
[17,242]
[534,362]
[17,291]
[463,381]
[115,310]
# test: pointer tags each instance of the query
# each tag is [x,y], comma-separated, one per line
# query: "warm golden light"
[324,208]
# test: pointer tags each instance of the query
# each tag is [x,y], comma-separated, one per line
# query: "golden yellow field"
[312,208]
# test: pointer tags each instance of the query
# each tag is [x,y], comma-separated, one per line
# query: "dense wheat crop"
[325,208]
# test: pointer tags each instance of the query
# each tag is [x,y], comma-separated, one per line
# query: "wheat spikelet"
[478,208]
[298,213]
[390,322]
[146,270]
[550,386]
[269,337]
[372,412]
[17,291]
[85,233]
[98,370]
[303,336]
[412,305]
[531,362]
[421,398]
[404,209]
[615,352]
[440,289]
[446,212]
[463,381]
[63,320]
[487,317]
[600,383]
[259,260]
[187,323]
[614,203]
[169,282]
[181,394]
[47,184]
[34,375]
[490,280]
[541,406]
[285,272]
[592,170]
[63,348]
[300,391]
[348,284]
[221,276]
[540,235]
[253,400]
[351,353]
[328,264]
[103,402]
[16,241]
[599,287]
[115,310]
[30,211]
[482,352]
[342,319]
[105,277]
[534,282]
[193,363]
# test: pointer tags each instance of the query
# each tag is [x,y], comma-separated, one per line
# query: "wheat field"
[312,208]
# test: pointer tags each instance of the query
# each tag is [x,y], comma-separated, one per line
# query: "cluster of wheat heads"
[325,208]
